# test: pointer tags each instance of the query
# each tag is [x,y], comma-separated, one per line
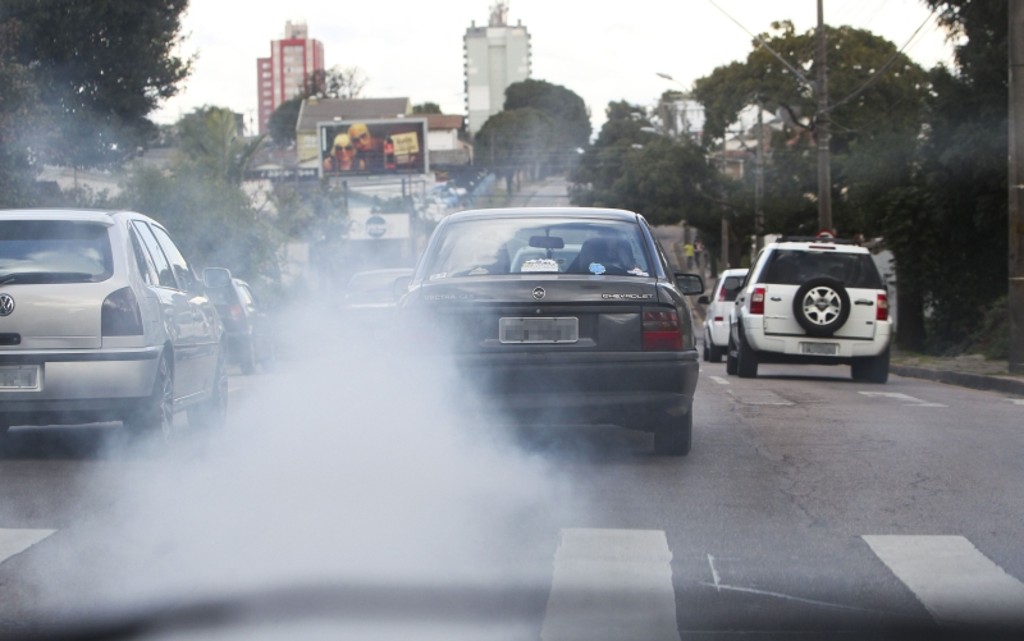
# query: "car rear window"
[508,246]
[788,267]
[54,251]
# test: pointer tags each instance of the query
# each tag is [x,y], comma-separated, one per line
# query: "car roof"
[92,215]
[545,212]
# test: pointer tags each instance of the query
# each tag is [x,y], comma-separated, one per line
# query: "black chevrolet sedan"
[563,315]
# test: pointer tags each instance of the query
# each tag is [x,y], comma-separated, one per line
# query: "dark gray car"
[567,312]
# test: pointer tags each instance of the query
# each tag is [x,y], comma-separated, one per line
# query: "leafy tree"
[18,101]
[427,108]
[99,68]
[283,121]
[201,200]
[631,166]
[514,141]
[563,107]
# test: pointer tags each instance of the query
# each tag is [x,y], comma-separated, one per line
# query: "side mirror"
[215,277]
[690,284]
[399,286]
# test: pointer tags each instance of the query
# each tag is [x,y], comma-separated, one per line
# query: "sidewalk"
[972,371]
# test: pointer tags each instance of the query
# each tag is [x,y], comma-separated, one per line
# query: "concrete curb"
[1005,384]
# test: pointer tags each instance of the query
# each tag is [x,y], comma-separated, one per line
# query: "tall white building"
[283,75]
[495,57]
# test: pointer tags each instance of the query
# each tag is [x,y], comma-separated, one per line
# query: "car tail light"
[120,315]
[882,308]
[721,295]
[757,301]
[662,330]
[236,313]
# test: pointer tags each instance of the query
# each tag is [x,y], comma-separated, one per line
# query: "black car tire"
[730,358]
[746,359]
[872,369]
[155,415]
[673,435]
[821,306]
[212,413]
[715,354]
[247,356]
[707,352]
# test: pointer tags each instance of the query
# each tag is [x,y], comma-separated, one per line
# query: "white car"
[812,300]
[103,319]
[716,316]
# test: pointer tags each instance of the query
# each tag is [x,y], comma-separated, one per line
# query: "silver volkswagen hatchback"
[103,319]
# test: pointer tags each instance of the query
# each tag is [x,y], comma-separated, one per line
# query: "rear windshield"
[787,267]
[731,287]
[54,251]
[503,246]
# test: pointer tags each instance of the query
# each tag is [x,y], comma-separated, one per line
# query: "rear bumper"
[621,388]
[77,387]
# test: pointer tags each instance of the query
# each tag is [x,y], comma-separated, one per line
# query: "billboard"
[373,147]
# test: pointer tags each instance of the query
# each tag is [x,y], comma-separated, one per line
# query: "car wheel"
[746,359]
[155,415]
[211,413]
[247,357]
[707,351]
[715,354]
[821,306]
[873,369]
[673,435]
[730,358]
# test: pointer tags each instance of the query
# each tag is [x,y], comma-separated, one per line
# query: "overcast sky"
[601,51]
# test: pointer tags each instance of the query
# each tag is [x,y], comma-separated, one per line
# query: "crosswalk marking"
[609,585]
[953,580]
[16,541]
[719,380]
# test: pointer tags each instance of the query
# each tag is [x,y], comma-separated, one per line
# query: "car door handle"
[863,301]
[776,299]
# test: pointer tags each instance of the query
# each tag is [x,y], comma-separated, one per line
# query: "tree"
[17,109]
[565,109]
[427,108]
[631,166]
[283,121]
[201,200]
[877,108]
[99,67]
[513,141]
[345,83]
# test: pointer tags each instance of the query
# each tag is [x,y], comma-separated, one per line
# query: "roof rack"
[817,239]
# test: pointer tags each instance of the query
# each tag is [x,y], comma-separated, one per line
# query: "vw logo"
[538,293]
[7,304]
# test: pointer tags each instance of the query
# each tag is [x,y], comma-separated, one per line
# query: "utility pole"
[821,128]
[1015,290]
[759,181]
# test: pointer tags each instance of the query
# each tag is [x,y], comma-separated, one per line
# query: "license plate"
[19,377]
[539,330]
[820,349]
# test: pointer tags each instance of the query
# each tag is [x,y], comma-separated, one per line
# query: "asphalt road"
[810,503]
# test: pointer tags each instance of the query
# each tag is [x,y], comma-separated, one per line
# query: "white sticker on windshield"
[539,265]
[478,271]
[439,276]
[636,271]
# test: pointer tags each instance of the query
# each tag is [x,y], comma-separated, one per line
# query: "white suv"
[812,300]
[716,315]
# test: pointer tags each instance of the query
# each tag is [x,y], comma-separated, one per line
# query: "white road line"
[14,542]
[719,380]
[611,585]
[953,580]
[906,398]
[714,573]
[1017,401]
[759,397]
